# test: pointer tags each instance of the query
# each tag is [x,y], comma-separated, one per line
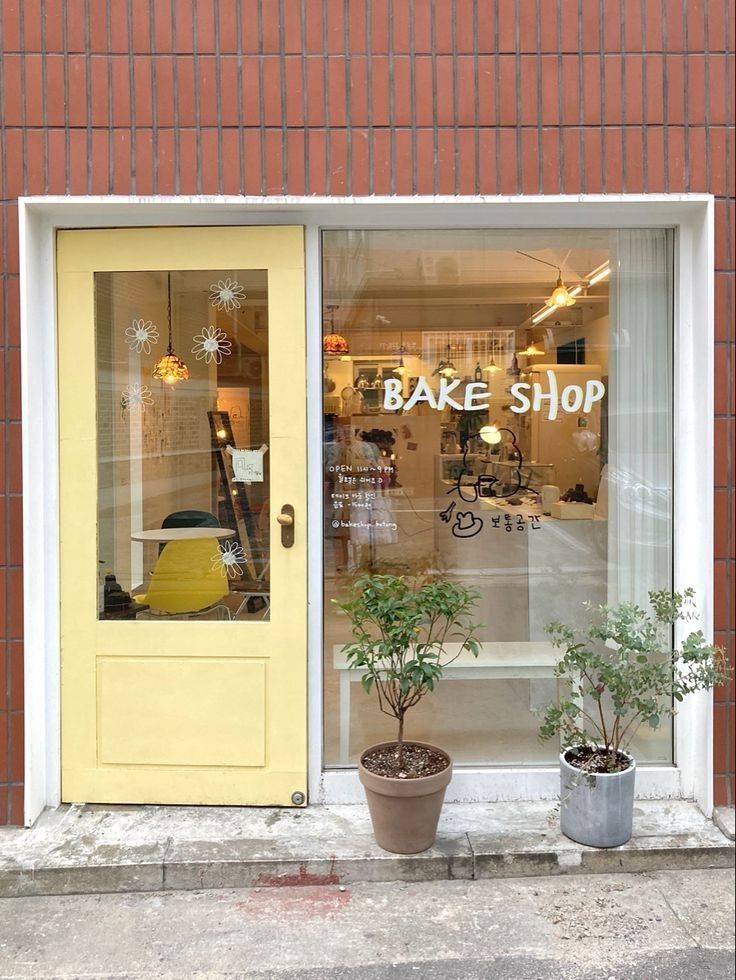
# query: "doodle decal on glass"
[485,485]
[466,525]
[135,398]
[226,294]
[446,514]
[230,559]
[142,335]
[211,345]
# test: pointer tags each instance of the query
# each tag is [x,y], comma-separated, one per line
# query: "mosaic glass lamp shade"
[335,344]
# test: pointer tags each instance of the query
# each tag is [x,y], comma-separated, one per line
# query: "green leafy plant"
[400,631]
[623,670]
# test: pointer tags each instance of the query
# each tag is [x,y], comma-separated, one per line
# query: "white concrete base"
[94,849]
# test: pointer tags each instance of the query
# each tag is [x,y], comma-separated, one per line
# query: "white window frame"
[691,215]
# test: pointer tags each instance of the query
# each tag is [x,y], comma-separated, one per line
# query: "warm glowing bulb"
[221,433]
[400,370]
[491,434]
[560,296]
[492,368]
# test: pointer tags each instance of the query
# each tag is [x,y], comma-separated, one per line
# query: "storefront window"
[497,410]
[182,437]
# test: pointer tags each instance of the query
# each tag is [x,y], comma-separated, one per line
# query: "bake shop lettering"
[475,394]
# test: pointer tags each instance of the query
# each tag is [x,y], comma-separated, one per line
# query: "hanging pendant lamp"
[560,296]
[492,368]
[445,367]
[531,350]
[334,343]
[401,368]
[170,368]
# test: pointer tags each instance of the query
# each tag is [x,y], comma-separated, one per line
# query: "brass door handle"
[286,520]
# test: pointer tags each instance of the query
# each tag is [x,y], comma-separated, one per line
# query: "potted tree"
[622,671]
[404,636]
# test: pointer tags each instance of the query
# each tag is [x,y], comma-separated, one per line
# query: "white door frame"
[39,218]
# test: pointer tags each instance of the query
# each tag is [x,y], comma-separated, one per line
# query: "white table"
[164,534]
[518,660]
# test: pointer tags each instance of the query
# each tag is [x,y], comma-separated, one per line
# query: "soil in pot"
[416,761]
[591,759]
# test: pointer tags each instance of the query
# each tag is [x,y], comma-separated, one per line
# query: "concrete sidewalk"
[669,925]
[95,849]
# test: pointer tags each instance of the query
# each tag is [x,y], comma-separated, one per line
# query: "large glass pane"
[564,498]
[182,443]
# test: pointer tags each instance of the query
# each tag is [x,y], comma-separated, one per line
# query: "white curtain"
[640,405]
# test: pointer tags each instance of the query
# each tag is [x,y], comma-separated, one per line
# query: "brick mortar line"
[88,99]
[197,91]
[154,103]
[5,592]
[282,100]
[218,95]
[328,128]
[435,125]
[10,201]
[347,76]
[19,127]
[413,97]
[369,96]
[593,52]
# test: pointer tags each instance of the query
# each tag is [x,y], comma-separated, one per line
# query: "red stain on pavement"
[302,879]
[296,902]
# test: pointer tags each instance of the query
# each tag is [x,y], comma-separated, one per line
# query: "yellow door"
[182,460]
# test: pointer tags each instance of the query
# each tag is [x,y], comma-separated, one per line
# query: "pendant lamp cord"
[550,264]
[169,349]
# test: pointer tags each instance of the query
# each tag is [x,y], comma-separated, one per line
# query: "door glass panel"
[565,499]
[182,444]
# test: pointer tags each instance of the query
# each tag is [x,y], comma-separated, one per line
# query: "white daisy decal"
[230,559]
[136,398]
[211,345]
[142,335]
[226,294]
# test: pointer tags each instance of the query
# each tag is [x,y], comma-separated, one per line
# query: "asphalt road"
[661,926]
[690,965]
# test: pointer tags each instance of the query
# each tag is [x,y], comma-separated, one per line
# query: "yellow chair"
[188,579]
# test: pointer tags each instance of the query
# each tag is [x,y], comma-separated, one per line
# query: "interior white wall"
[39,218]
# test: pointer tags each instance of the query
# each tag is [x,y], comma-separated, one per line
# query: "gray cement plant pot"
[596,808]
[405,812]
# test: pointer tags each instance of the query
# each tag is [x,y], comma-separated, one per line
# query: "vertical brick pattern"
[362,97]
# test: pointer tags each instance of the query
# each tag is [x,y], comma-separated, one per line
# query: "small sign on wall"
[247,464]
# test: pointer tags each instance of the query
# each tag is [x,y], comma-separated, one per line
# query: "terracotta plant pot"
[405,812]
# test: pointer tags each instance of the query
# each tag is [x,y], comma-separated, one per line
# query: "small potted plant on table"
[404,637]
[621,672]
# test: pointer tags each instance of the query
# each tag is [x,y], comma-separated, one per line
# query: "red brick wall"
[362,97]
